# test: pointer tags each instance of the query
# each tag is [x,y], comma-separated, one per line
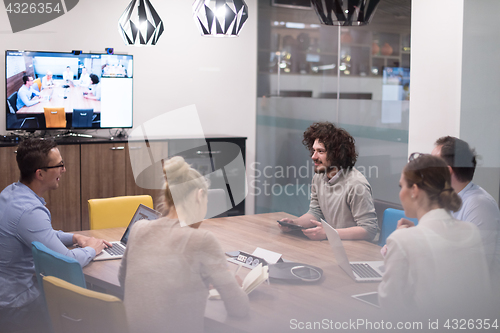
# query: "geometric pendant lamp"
[140,24]
[220,18]
[345,12]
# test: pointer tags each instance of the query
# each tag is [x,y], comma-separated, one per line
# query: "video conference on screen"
[107,103]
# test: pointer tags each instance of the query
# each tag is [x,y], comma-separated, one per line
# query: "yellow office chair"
[38,82]
[115,212]
[78,310]
[55,117]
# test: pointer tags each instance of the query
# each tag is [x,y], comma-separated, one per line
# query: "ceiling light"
[346,12]
[223,18]
[140,24]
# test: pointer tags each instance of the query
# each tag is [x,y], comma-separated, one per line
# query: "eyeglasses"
[54,167]
[414,156]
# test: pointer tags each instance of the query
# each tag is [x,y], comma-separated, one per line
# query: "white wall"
[218,75]
[480,112]
[455,85]
[436,72]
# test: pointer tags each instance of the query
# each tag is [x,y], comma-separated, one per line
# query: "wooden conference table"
[74,100]
[278,306]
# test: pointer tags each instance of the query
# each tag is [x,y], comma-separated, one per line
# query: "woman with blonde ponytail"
[169,263]
[436,269]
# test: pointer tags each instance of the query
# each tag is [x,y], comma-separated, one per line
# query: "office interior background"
[280,75]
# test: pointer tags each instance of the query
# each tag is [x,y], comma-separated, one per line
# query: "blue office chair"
[82,118]
[51,263]
[390,222]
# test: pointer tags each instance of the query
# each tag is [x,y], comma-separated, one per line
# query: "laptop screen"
[142,213]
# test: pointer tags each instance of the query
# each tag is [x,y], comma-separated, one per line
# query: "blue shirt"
[24,96]
[24,219]
[479,208]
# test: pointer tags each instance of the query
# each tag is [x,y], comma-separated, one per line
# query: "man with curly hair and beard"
[340,194]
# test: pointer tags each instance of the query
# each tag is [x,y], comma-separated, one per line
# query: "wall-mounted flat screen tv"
[73,90]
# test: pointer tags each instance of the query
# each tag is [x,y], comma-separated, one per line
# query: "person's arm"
[363,213]
[90,96]
[486,217]
[34,92]
[405,223]
[353,233]
[305,221]
[360,202]
[34,225]
[395,290]
[25,95]
[215,267]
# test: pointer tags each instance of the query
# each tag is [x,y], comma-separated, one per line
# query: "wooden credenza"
[99,169]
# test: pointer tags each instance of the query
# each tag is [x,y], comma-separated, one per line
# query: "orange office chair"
[38,82]
[55,117]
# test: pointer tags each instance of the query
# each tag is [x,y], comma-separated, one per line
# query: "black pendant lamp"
[140,24]
[220,18]
[345,12]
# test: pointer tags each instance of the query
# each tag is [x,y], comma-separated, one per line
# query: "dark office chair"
[82,118]
[26,121]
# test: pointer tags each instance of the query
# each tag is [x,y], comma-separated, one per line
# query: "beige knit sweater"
[165,273]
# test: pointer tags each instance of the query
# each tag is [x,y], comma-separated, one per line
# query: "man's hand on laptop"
[97,244]
[316,233]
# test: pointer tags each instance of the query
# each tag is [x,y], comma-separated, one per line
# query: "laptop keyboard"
[365,271]
[116,250]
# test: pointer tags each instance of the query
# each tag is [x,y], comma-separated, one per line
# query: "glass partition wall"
[355,77]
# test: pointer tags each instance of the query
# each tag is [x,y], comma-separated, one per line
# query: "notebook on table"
[118,248]
[359,271]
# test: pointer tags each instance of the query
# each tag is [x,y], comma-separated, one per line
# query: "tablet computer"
[293,226]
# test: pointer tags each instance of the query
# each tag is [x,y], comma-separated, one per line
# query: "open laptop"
[360,271]
[118,248]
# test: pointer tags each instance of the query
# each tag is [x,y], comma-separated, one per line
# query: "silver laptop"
[118,248]
[360,271]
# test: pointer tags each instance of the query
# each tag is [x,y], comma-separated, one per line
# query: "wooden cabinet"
[9,172]
[64,203]
[103,174]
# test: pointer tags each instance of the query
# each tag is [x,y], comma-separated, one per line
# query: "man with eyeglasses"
[24,219]
[26,96]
